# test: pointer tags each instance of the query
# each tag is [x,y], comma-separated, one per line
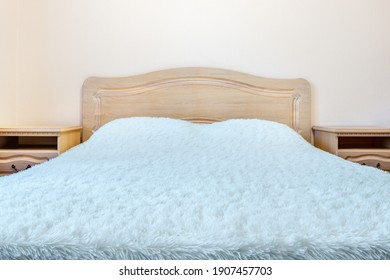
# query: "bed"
[195,163]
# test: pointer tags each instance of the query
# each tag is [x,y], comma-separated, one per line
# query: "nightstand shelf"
[23,147]
[365,145]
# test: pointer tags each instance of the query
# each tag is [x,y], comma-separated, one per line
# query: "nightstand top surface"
[46,129]
[353,129]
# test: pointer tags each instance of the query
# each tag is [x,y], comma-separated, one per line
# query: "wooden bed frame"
[199,95]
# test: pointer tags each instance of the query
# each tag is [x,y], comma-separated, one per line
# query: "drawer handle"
[378,165]
[17,170]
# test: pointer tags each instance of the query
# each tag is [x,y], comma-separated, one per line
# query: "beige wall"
[341,47]
[8,61]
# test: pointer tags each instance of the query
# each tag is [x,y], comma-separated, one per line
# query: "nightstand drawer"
[376,158]
[19,160]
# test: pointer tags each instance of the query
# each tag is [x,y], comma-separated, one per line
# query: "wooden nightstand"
[364,145]
[23,147]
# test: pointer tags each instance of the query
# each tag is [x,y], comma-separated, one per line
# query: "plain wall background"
[52,46]
[8,61]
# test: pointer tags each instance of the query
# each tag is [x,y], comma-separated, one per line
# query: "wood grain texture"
[199,95]
[23,146]
[376,158]
[33,130]
[365,145]
[22,158]
[352,130]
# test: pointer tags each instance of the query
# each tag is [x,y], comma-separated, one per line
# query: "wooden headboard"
[201,95]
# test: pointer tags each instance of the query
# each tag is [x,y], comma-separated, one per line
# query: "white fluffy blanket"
[155,188]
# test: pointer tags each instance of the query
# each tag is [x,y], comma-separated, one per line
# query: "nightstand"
[365,145]
[23,147]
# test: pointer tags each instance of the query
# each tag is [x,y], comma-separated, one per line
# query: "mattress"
[158,188]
